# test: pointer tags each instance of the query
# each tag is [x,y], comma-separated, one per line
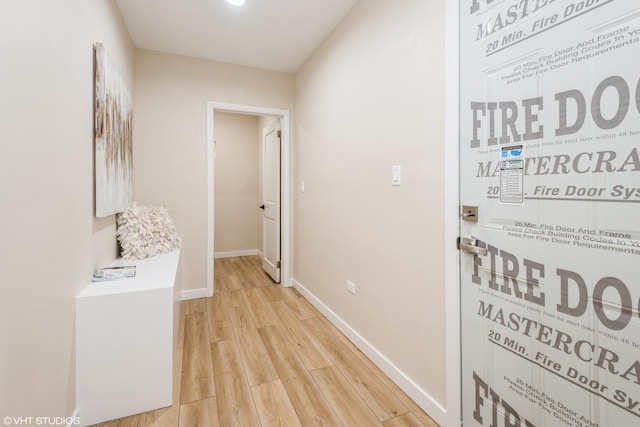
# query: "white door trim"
[212,107]
[451,215]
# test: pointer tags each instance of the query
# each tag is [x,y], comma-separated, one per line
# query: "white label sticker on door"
[512,175]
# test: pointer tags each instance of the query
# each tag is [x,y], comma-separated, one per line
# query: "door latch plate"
[469,213]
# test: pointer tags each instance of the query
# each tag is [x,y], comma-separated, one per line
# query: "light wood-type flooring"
[259,354]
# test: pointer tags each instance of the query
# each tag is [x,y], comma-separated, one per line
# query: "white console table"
[125,341]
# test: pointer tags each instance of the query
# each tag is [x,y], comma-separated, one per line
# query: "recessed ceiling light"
[236,2]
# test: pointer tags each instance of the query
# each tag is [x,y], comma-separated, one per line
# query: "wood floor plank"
[225,277]
[404,420]
[178,359]
[183,314]
[234,283]
[297,304]
[328,342]
[270,293]
[253,266]
[237,269]
[201,413]
[220,276]
[294,332]
[232,299]
[424,418]
[192,306]
[220,328]
[355,350]
[347,404]
[378,397]
[273,405]
[256,361]
[163,417]
[197,373]
[309,403]
[235,402]
[312,407]
[260,311]
[285,359]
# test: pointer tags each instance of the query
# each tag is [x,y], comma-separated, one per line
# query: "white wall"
[372,96]
[51,242]
[237,182]
[170,137]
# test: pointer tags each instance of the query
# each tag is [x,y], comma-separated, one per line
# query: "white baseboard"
[421,397]
[236,253]
[194,294]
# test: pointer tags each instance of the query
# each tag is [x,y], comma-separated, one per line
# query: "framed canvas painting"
[113,137]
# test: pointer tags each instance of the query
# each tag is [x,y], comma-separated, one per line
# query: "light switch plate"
[396,178]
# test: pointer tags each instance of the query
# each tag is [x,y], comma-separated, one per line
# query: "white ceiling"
[271,34]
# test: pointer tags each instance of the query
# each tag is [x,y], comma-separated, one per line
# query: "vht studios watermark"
[40,421]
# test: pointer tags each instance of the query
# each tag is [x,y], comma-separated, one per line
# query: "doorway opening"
[283,118]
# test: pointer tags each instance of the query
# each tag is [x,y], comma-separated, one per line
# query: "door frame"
[452,217]
[285,171]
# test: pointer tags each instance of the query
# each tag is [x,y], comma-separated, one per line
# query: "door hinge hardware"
[279,134]
[278,264]
[470,246]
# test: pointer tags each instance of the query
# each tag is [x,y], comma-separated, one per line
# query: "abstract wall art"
[113,137]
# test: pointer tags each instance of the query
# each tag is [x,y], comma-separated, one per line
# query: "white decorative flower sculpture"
[146,231]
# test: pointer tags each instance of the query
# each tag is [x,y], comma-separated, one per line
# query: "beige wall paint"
[237,182]
[170,131]
[372,96]
[51,242]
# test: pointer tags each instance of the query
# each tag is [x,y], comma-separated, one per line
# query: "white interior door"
[550,188]
[271,202]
